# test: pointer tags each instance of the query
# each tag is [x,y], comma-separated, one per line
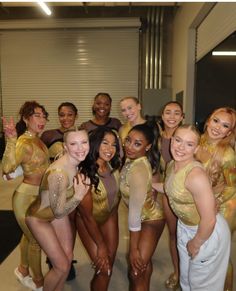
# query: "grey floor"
[161,258]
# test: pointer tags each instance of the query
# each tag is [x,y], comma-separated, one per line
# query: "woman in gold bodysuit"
[131,110]
[53,138]
[97,217]
[145,218]
[101,111]
[218,157]
[29,152]
[172,116]
[61,190]
[203,236]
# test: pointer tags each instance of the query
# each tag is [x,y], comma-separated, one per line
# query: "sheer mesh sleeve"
[58,184]
[15,152]
[138,181]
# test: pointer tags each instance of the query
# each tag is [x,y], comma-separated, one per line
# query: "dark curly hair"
[95,139]
[151,132]
[27,110]
[68,104]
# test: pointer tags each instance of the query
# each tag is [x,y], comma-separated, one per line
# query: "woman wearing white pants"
[203,236]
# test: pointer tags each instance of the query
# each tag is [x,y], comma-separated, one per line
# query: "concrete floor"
[161,259]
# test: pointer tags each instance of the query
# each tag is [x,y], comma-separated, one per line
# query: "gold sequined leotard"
[25,146]
[181,200]
[101,207]
[225,188]
[136,189]
[31,153]
[124,130]
[56,196]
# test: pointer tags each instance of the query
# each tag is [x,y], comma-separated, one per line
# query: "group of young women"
[81,190]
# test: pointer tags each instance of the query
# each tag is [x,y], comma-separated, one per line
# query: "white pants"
[207,271]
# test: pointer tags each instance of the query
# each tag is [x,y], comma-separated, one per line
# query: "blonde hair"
[190,127]
[135,99]
[214,167]
[67,132]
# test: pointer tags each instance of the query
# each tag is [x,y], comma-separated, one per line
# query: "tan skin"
[67,117]
[142,243]
[172,116]
[35,125]
[100,240]
[57,242]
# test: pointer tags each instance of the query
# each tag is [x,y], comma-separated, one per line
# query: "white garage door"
[68,64]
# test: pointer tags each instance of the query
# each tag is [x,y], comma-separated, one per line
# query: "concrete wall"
[184,54]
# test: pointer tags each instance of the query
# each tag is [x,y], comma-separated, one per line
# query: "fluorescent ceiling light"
[224,53]
[44,7]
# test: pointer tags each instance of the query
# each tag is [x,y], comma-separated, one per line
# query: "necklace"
[28,133]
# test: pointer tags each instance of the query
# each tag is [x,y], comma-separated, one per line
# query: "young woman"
[145,219]
[61,190]
[203,237]
[97,218]
[219,159]
[31,153]
[53,138]
[131,111]
[172,116]
[101,111]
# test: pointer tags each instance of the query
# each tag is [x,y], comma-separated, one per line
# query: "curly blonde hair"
[214,167]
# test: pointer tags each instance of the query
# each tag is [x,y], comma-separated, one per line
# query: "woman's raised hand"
[9,127]
[81,186]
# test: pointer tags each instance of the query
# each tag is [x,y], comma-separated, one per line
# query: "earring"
[147,149]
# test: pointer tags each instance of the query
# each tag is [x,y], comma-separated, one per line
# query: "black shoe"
[72,273]
[48,263]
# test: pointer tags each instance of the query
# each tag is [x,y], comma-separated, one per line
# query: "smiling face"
[172,115]
[219,125]
[102,106]
[67,117]
[184,144]
[136,145]
[77,145]
[107,148]
[130,109]
[37,121]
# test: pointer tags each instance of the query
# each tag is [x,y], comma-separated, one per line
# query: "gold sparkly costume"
[56,198]
[136,189]
[180,199]
[124,130]
[207,270]
[101,206]
[224,190]
[15,153]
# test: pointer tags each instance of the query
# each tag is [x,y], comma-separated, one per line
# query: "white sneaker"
[30,284]
[20,277]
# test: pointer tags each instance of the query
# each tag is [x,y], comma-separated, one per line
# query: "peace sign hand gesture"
[9,127]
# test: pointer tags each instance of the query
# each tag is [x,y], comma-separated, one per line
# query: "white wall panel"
[217,26]
[53,66]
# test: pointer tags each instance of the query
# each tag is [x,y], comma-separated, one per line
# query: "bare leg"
[150,235]
[57,245]
[110,233]
[173,281]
